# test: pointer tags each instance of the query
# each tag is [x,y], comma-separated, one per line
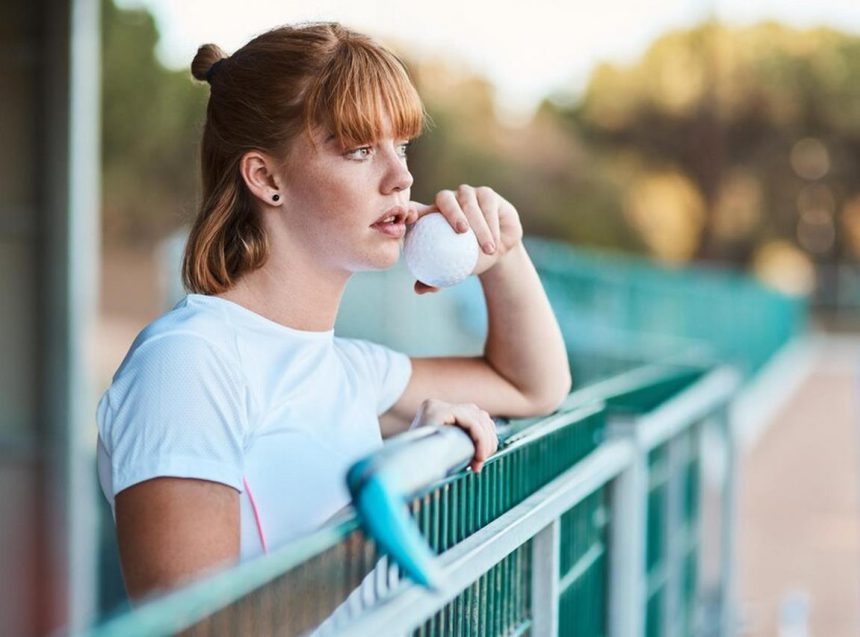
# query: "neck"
[292,291]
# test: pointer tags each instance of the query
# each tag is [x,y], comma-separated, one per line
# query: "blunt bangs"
[362,85]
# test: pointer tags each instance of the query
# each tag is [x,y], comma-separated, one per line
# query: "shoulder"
[193,316]
[179,364]
[183,353]
[189,333]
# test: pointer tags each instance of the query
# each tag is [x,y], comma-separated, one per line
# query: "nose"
[397,176]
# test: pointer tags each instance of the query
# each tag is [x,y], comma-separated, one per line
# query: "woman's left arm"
[524,343]
[524,369]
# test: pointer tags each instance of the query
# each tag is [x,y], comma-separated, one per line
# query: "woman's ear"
[260,173]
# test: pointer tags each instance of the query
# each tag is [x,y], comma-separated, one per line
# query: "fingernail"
[489,248]
[462,226]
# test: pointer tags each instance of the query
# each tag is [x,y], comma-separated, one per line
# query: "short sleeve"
[175,408]
[389,370]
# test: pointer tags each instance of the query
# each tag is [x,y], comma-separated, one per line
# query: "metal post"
[674,549]
[81,290]
[545,579]
[628,511]
[729,526]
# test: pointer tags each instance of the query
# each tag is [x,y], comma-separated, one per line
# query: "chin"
[390,260]
[381,260]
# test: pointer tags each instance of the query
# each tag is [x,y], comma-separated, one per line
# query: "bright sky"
[550,48]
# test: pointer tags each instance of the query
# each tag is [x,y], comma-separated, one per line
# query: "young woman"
[230,424]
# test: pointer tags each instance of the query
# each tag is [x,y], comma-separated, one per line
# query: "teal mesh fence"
[625,311]
[528,459]
[680,535]
[583,567]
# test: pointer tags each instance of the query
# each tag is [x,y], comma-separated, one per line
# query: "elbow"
[551,400]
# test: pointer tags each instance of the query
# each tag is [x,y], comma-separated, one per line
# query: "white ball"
[436,254]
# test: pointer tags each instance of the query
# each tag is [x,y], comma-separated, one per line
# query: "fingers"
[416,210]
[481,429]
[478,209]
[490,443]
[468,201]
[423,288]
[447,204]
[490,204]
[476,422]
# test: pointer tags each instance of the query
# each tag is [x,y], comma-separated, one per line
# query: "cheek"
[333,200]
[334,219]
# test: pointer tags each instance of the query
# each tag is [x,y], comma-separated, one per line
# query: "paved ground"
[800,519]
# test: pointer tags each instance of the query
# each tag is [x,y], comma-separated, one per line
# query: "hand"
[470,418]
[494,220]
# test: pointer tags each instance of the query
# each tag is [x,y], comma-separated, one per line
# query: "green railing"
[683,534]
[530,545]
[583,566]
[620,312]
[532,455]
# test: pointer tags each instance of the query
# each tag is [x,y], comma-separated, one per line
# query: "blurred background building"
[712,135]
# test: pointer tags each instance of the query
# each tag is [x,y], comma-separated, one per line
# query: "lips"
[393,222]
[396,230]
[395,214]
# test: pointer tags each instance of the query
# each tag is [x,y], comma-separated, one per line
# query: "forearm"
[524,343]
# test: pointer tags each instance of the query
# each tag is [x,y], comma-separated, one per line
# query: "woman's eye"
[360,153]
[364,152]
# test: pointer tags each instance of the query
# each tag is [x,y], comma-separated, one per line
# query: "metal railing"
[633,311]
[566,531]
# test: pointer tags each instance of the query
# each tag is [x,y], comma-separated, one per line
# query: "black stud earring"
[275,197]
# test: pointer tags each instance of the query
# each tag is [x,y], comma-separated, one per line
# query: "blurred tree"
[542,168]
[743,113]
[151,125]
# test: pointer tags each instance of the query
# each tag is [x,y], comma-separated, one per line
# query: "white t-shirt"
[214,391]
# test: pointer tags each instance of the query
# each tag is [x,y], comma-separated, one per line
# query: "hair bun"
[207,57]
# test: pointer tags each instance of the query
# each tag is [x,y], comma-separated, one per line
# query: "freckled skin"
[331,199]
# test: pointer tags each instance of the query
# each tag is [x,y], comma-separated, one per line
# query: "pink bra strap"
[256,514]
